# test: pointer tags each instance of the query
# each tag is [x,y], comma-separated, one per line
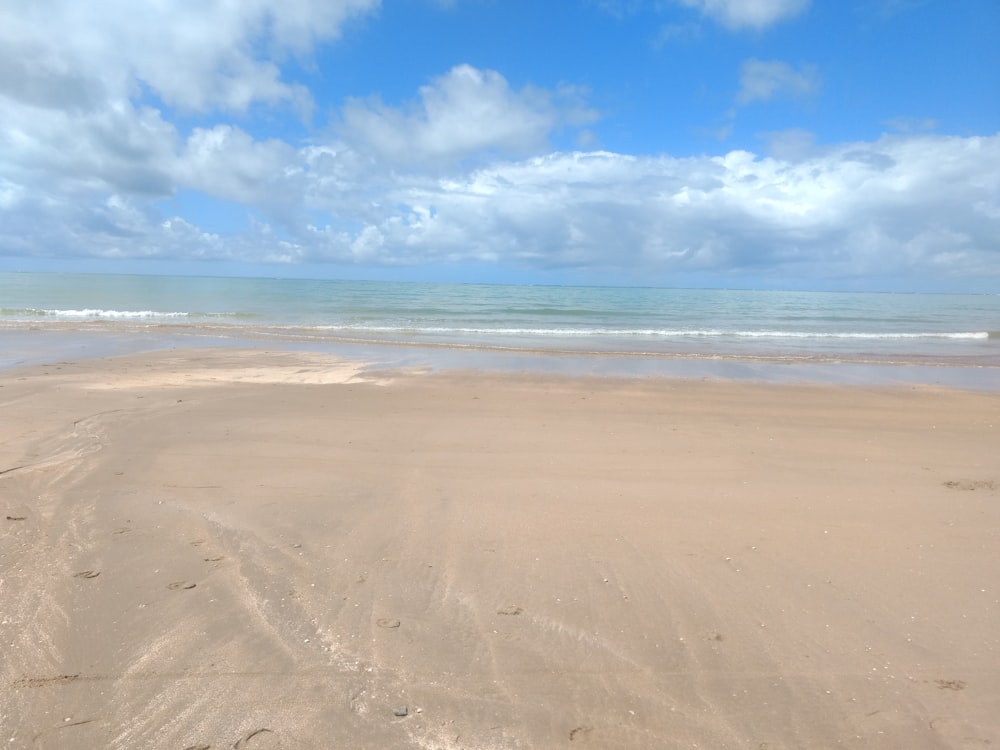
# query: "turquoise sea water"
[641,325]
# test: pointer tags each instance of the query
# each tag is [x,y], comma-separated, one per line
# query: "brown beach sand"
[250,550]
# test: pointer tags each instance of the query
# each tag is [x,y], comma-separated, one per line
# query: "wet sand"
[224,548]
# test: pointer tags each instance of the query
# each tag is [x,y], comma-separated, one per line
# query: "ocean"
[690,332]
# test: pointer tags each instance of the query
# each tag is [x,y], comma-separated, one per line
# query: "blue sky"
[755,143]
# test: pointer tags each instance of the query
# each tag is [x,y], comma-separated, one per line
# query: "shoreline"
[215,547]
[45,345]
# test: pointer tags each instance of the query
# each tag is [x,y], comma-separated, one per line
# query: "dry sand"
[249,550]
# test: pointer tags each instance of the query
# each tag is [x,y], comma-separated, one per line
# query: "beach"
[225,547]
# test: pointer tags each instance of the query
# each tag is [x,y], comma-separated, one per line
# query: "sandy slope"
[240,549]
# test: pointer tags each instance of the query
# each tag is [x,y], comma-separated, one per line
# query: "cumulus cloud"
[465,112]
[753,14]
[462,172]
[897,206]
[226,162]
[214,54]
[116,147]
[892,206]
[85,93]
[761,80]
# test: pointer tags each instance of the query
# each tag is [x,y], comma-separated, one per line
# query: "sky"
[796,144]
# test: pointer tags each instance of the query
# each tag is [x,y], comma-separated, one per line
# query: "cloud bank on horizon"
[725,142]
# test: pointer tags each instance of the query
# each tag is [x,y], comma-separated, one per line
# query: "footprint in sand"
[950,684]
[970,485]
[87,574]
[245,739]
[181,585]
[387,622]
[579,731]
[511,610]
[214,559]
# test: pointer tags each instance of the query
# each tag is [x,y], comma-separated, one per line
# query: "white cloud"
[227,163]
[755,14]
[761,80]
[214,54]
[905,204]
[464,171]
[116,147]
[79,123]
[463,113]
[897,205]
